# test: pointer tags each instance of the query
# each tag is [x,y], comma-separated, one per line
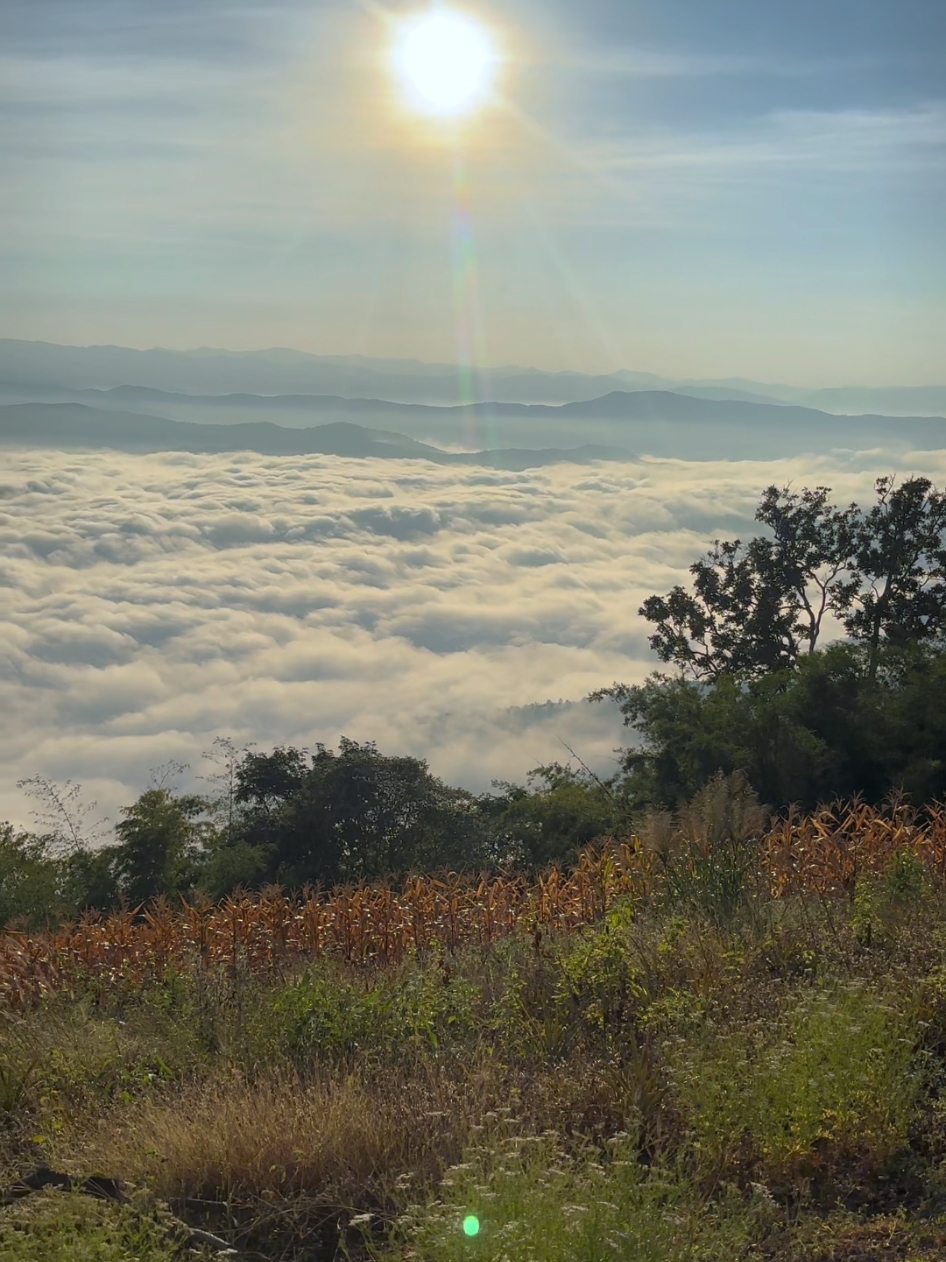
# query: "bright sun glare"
[445,61]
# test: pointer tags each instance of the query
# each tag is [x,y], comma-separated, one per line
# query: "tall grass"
[828,1088]
[623,1068]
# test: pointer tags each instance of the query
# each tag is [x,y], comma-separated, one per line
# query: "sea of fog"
[152,603]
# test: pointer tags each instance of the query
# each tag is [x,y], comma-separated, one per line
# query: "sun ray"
[471,350]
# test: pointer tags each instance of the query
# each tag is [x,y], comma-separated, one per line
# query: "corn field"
[271,932]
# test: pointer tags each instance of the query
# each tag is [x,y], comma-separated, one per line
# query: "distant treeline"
[753,690]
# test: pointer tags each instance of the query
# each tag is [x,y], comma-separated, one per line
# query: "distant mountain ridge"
[74,425]
[657,423]
[27,369]
[39,365]
[631,405]
[282,401]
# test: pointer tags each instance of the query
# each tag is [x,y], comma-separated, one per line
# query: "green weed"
[64,1227]
[828,1090]
[530,1200]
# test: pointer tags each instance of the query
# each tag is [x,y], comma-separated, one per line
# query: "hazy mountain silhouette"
[37,366]
[36,371]
[656,423]
[74,425]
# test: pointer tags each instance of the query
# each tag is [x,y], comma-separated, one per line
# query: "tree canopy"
[824,730]
[760,606]
[352,815]
[755,687]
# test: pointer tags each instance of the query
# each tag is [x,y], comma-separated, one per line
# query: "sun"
[445,61]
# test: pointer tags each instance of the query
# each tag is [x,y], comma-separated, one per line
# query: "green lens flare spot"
[471,1225]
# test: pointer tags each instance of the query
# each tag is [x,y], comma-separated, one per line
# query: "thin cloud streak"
[648,63]
[832,141]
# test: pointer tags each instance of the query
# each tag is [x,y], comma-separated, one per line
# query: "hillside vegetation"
[335,1008]
[719,1040]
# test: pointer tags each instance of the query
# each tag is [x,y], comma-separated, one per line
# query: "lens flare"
[445,61]
[471,1225]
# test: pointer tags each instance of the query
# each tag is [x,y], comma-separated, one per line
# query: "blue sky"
[691,187]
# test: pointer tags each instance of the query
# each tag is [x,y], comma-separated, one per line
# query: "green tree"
[161,837]
[735,621]
[230,861]
[90,880]
[40,887]
[30,884]
[899,560]
[759,607]
[810,550]
[353,815]
[823,730]
[557,813]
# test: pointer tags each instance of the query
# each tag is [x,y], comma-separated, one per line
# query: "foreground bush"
[825,1090]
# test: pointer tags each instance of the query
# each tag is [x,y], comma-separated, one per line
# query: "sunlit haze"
[472,629]
[693,189]
[365,366]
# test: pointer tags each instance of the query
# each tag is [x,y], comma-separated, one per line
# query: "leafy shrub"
[327,1018]
[882,903]
[600,975]
[832,1086]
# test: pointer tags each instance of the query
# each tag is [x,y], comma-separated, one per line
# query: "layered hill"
[34,371]
[513,435]
[76,426]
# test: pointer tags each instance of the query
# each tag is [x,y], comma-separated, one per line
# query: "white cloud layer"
[149,604]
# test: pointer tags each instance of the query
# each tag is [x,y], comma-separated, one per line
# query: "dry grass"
[282,1159]
[849,1239]
[339,1138]
[271,933]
